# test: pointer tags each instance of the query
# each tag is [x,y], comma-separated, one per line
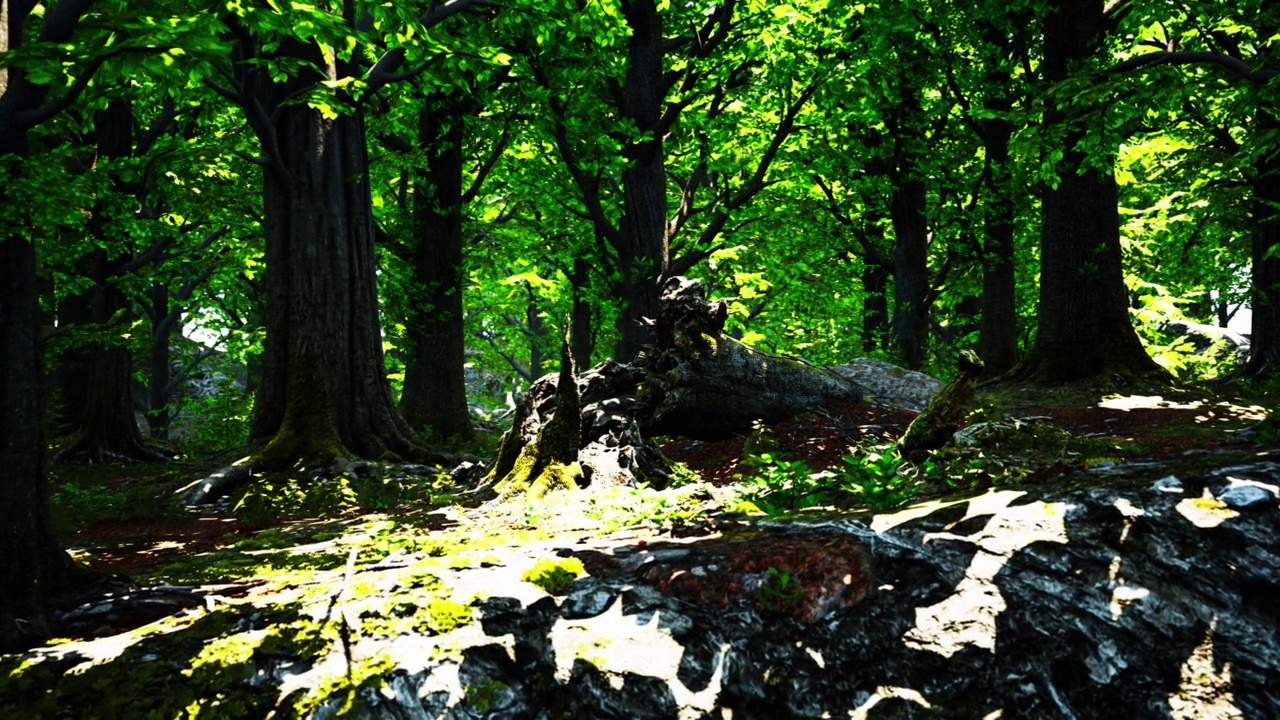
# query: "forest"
[266,261]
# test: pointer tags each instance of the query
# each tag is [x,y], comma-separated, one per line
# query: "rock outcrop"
[1151,598]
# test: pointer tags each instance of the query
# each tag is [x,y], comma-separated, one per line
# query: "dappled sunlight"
[1205,690]
[642,644]
[968,617]
[1221,411]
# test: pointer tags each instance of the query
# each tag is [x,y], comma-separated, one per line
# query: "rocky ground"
[1072,557]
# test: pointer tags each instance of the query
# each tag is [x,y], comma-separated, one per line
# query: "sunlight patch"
[968,617]
[1205,690]
[616,643]
[885,692]
[1205,511]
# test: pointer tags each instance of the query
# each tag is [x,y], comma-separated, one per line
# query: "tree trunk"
[998,328]
[582,337]
[910,269]
[875,305]
[165,321]
[435,391]
[1265,338]
[106,428]
[1084,328]
[34,567]
[324,388]
[643,257]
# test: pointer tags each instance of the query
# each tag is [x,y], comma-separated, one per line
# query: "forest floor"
[181,563]
[119,519]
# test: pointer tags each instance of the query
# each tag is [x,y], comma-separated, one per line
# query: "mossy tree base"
[935,427]
[550,461]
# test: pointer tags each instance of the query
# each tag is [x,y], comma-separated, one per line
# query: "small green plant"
[88,499]
[554,574]
[878,477]
[780,589]
[219,420]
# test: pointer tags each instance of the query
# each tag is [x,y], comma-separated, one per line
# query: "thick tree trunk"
[106,428]
[643,257]
[324,388]
[33,567]
[1084,328]
[1265,303]
[435,391]
[998,328]
[910,269]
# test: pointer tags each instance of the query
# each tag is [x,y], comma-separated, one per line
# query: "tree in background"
[1083,324]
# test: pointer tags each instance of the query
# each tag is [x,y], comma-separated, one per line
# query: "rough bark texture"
[435,393]
[33,567]
[702,383]
[1265,302]
[643,257]
[1084,328]
[934,427]
[324,389]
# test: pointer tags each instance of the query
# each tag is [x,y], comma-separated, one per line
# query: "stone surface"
[1109,602]
[889,385]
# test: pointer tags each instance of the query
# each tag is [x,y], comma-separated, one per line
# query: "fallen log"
[702,383]
[694,381]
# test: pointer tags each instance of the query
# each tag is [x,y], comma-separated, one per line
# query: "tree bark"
[100,394]
[875,305]
[1084,328]
[910,268]
[324,388]
[34,567]
[644,255]
[998,327]
[582,337]
[1265,240]
[435,391]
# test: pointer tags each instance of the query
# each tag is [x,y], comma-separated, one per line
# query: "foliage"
[876,477]
[780,589]
[554,575]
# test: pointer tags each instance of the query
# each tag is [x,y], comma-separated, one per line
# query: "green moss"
[554,574]
[481,694]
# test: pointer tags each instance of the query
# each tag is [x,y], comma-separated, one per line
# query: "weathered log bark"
[934,427]
[702,383]
[694,381]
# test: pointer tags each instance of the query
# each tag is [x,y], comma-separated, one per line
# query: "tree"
[686,80]
[1083,321]
[1236,40]
[301,78]
[35,568]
